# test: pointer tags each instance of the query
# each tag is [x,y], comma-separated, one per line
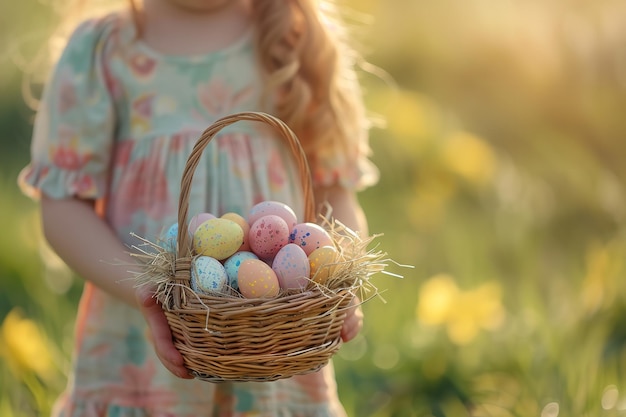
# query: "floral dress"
[117,123]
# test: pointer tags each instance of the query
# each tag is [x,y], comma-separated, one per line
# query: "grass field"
[503,183]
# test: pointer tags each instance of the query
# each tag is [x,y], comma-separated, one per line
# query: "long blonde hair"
[311,82]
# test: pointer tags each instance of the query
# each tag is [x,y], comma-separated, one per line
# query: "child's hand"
[354,321]
[160,333]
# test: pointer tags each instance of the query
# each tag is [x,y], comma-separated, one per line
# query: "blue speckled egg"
[208,275]
[168,239]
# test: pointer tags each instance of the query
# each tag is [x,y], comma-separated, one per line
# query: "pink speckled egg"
[197,220]
[267,235]
[310,236]
[245,246]
[232,265]
[257,279]
[292,268]
[276,208]
[217,238]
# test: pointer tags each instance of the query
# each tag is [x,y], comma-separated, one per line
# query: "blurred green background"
[503,163]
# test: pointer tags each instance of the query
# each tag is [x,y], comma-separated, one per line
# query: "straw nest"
[355,264]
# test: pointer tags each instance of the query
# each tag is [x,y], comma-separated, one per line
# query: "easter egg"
[321,261]
[208,275]
[217,238]
[257,279]
[267,235]
[292,267]
[168,239]
[232,265]
[275,208]
[245,246]
[197,220]
[310,236]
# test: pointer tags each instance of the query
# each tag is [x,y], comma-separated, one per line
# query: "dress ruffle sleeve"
[352,170]
[74,126]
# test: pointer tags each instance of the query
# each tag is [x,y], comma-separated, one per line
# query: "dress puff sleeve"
[348,166]
[354,172]
[74,127]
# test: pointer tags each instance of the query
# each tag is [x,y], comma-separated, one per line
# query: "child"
[128,98]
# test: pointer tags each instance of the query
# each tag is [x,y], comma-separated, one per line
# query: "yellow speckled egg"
[257,279]
[321,260]
[217,238]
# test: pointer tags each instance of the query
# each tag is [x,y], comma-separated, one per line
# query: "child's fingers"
[353,322]
[160,333]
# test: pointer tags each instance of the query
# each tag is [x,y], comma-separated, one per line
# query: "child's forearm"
[347,210]
[89,246]
[345,207]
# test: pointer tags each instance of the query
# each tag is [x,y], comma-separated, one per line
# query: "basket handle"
[206,137]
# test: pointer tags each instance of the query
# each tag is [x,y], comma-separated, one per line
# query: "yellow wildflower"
[24,345]
[436,300]
[604,265]
[470,157]
[463,313]
[411,118]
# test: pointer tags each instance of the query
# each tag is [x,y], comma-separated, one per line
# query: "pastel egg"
[245,246]
[275,208]
[169,238]
[321,261]
[267,235]
[197,220]
[292,267]
[208,275]
[257,279]
[232,265]
[217,238]
[310,236]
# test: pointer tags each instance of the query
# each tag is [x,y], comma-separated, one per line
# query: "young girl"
[128,98]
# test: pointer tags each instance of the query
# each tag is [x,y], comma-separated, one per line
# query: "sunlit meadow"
[501,143]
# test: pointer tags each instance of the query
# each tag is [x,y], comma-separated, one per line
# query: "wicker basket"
[230,338]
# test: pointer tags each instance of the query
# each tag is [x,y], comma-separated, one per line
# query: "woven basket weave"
[229,338]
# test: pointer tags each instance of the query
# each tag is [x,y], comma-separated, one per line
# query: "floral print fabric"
[117,123]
